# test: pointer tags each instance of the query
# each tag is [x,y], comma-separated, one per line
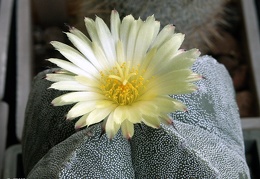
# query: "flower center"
[122,84]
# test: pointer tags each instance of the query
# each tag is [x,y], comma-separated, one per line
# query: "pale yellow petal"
[127,129]
[124,30]
[146,31]
[147,60]
[91,28]
[81,122]
[115,25]
[111,127]
[163,55]
[149,94]
[75,57]
[120,52]
[157,26]
[152,121]
[163,35]
[59,77]
[69,86]
[165,105]
[177,88]
[184,60]
[88,81]
[133,114]
[99,114]
[68,66]
[104,103]
[146,107]
[106,40]
[78,33]
[171,77]
[85,49]
[193,77]
[179,106]
[80,109]
[166,119]
[75,97]
[132,40]
[120,114]
[101,56]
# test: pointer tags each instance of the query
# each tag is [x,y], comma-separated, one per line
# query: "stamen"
[130,75]
[121,86]
[125,82]
[115,77]
[127,69]
[119,69]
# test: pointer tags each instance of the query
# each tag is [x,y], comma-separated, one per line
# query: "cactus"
[206,142]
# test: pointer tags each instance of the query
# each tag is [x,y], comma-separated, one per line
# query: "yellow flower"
[123,75]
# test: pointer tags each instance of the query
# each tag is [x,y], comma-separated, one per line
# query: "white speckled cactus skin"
[206,142]
[200,20]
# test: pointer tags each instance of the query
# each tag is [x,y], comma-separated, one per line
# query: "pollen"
[122,84]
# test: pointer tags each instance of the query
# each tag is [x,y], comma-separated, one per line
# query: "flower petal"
[177,88]
[184,75]
[99,114]
[69,86]
[135,26]
[75,57]
[115,24]
[75,97]
[184,60]
[68,66]
[125,29]
[146,31]
[120,114]
[81,122]
[127,129]
[104,103]
[173,77]
[120,52]
[166,119]
[85,49]
[165,104]
[111,127]
[164,54]
[147,59]
[106,40]
[92,31]
[59,77]
[163,36]
[157,26]
[80,109]
[134,115]
[178,106]
[87,81]
[168,104]
[146,107]
[152,121]
[100,55]
[78,33]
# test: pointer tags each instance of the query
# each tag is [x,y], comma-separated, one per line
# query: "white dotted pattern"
[207,142]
